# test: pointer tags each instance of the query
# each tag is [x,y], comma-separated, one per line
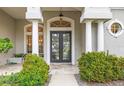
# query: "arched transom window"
[29,29]
[60,23]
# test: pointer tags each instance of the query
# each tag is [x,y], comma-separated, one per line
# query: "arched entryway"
[60,40]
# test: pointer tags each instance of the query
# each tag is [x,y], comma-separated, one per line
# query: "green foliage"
[34,73]
[9,80]
[5,45]
[101,67]
[19,55]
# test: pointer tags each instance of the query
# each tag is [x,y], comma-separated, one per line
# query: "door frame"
[47,58]
[60,32]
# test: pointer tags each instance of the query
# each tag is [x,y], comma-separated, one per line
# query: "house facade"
[61,35]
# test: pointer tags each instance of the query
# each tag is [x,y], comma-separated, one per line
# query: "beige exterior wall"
[7,29]
[20,24]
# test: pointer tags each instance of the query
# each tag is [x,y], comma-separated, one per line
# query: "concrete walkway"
[63,75]
[10,68]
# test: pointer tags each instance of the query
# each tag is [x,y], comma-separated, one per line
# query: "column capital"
[87,21]
[34,13]
[34,20]
[100,21]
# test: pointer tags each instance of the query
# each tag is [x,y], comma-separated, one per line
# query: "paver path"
[63,75]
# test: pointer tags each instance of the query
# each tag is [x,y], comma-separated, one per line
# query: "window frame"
[26,33]
[119,32]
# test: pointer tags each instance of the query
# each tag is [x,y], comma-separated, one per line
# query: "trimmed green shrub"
[5,45]
[34,73]
[100,67]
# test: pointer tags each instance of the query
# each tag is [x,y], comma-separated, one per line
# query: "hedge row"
[101,67]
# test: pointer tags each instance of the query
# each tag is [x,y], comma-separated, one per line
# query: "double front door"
[60,46]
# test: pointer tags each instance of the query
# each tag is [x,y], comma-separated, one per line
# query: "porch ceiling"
[63,8]
[19,12]
[15,12]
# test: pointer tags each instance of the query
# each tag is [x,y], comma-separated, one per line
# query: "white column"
[100,36]
[88,39]
[35,47]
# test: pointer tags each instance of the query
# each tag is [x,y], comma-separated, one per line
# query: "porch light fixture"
[61,15]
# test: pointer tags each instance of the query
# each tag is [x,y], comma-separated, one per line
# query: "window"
[29,39]
[60,23]
[29,43]
[115,28]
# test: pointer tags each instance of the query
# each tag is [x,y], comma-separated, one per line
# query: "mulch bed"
[85,83]
[48,81]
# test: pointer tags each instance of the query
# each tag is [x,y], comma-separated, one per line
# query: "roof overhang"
[100,13]
[19,12]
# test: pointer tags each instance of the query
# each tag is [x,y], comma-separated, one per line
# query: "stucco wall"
[115,45]
[78,28]
[83,29]
[94,36]
[7,29]
[20,24]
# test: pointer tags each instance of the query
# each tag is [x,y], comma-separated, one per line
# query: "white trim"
[88,36]
[118,33]
[30,33]
[118,8]
[61,29]
[100,35]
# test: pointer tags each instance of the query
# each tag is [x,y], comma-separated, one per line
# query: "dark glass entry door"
[60,46]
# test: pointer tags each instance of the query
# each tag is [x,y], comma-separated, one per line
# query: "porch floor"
[63,75]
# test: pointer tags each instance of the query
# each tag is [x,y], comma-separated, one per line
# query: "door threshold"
[60,63]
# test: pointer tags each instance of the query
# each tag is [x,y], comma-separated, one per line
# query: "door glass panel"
[66,46]
[41,45]
[29,43]
[55,46]
[60,46]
